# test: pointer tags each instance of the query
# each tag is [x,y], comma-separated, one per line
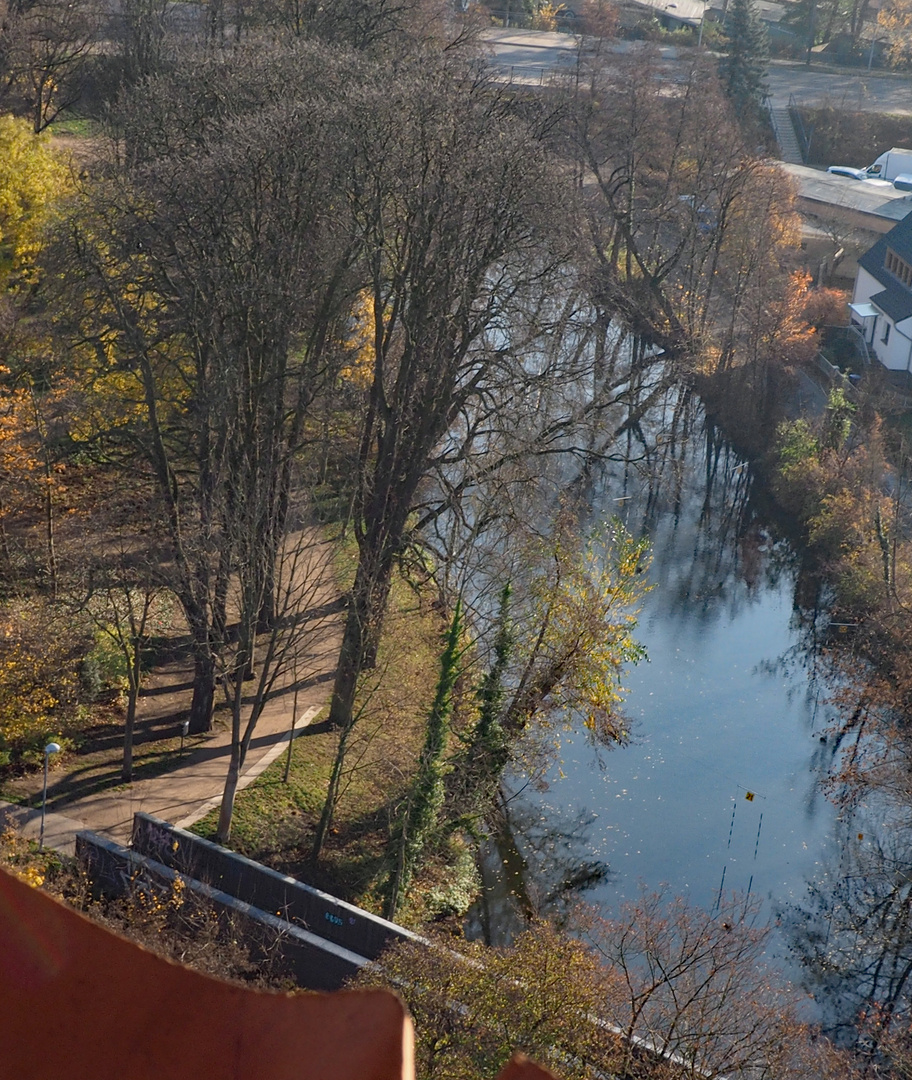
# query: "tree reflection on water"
[714,717]
[531,868]
[852,934]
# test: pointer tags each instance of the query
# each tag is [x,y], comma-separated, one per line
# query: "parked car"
[849,171]
[888,166]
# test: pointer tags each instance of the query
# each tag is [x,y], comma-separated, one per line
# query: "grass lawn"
[76,126]
[274,821]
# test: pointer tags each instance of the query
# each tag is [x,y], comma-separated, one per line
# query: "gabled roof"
[895,301]
[899,238]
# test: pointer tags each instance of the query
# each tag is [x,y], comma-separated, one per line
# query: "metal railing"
[804,137]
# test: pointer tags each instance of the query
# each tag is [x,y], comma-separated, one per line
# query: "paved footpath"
[181,796]
[193,788]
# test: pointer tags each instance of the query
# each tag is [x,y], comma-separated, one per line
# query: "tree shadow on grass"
[354,858]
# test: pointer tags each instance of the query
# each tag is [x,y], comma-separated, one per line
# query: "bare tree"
[687,224]
[143,31]
[368,25]
[664,991]
[45,45]
[455,205]
[125,608]
[220,277]
[691,986]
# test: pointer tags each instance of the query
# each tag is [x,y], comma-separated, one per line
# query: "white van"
[890,164]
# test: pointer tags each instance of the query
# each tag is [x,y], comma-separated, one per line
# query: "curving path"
[193,787]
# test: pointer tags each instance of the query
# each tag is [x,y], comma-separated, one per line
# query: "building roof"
[899,239]
[685,11]
[895,301]
[875,198]
[693,11]
[769,10]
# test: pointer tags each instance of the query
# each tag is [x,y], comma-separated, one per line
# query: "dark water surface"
[728,717]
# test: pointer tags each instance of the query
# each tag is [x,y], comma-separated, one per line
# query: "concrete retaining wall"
[325,915]
[315,963]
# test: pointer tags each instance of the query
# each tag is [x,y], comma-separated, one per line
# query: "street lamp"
[871,53]
[51,748]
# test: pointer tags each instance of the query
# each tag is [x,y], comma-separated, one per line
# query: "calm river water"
[719,787]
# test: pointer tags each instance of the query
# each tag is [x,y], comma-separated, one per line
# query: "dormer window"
[898,268]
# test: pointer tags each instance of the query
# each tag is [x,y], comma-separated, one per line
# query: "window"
[886,333]
[898,267]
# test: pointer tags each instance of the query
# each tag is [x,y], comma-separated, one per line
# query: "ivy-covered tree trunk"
[422,809]
[488,750]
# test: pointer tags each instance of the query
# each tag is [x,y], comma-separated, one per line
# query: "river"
[719,787]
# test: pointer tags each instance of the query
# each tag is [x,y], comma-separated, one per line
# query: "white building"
[881,305]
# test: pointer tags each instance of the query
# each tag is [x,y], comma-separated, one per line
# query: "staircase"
[785,134]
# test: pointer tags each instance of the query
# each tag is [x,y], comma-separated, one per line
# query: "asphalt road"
[858,90]
[530,56]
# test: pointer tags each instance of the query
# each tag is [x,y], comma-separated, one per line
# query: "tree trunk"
[362,634]
[127,769]
[332,795]
[203,701]
[226,811]
[271,544]
[420,818]
[342,706]
[134,677]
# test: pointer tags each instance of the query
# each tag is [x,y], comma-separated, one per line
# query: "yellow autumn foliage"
[26,476]
[895,19]
[546,18]
[19,856]
[38,681]
[19,456]
[32,177]
[585,603]
[360,343]
[111,399]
